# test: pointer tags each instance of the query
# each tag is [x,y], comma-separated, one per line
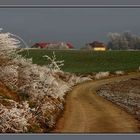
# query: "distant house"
[97,46]
[52,45]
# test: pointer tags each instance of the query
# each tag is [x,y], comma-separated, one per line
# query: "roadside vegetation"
[31,96]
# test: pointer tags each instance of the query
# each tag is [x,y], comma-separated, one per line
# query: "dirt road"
[85,111]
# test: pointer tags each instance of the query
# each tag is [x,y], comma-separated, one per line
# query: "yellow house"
[99,49]
[98,46]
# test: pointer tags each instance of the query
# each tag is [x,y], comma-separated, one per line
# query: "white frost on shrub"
[9,75]
[83,79]
[119,72]
[101,75]
[33,81]
[54,64]
[14,118]
[8,43]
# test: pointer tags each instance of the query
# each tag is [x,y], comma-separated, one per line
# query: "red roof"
[41,44]
[70,45]
[44,44]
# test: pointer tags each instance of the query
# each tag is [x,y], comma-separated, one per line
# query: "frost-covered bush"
[54,64]
[9,76]
[14,118]
[8,44]
[119,72]
[42,88]
[75,80]
[101,75]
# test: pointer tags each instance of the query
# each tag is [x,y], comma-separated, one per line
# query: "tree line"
[123,41]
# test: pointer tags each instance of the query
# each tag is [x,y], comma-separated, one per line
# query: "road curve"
[85,111]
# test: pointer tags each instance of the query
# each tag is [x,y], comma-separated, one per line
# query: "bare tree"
[123,41]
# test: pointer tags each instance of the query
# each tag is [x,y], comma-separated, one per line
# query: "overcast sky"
[78,26]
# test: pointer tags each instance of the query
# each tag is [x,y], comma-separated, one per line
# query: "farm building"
[57,45]
[97,46]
